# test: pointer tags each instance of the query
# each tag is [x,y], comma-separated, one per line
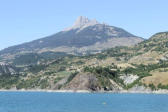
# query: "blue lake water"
[81,102]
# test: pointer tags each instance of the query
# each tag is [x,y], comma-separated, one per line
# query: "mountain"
[84,37]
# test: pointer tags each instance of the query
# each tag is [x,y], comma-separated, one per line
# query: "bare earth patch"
[156,78]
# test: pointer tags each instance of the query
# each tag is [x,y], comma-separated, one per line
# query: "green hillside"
[115,69]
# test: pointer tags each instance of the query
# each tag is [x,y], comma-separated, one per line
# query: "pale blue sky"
[26,20]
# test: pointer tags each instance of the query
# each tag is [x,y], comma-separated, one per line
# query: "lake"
[81,102]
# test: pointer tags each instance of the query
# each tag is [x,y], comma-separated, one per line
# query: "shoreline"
[86,91]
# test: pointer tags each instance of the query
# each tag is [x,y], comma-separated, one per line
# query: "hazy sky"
[26,20]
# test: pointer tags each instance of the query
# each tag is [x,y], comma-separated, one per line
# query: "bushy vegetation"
[152,86]
[105,71]
[36,68]
[29,83]
[8,81]
[160,86]
[104,74]
[136,82]
[33,82]
[57,79]
[34,58]
[140,71]
[144,70]
[52,55]
[71,76]
[27,59]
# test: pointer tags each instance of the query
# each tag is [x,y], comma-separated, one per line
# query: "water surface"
[81,102]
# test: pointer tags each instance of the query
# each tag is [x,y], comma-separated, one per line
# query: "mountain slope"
[142,68]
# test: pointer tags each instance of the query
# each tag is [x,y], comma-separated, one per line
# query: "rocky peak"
[81,22]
